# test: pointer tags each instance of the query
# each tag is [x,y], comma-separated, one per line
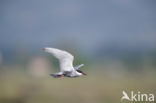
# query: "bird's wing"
[65,58]
[78,66]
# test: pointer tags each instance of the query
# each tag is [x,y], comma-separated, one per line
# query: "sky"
[88,25]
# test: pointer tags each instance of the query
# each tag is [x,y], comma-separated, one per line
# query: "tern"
[66,63]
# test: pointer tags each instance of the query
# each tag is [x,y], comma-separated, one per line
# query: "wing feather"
[65,58]
[78,66]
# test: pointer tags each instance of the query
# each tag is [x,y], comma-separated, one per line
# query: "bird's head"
[81,72]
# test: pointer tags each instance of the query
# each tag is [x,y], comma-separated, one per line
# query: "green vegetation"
[19,86]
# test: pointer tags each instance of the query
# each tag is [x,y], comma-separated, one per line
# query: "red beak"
[84,74]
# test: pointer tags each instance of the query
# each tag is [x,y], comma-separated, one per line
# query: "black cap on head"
[81,72]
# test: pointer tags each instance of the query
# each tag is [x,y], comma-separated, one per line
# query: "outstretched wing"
[65,58]
[78,66]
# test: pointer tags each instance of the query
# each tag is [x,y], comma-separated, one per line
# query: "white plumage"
[66,63]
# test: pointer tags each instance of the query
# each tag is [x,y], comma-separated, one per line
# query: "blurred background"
[115,39]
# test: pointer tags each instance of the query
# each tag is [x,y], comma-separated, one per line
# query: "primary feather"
[78,66]
[65,58]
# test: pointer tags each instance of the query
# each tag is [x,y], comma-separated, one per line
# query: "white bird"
[66,63]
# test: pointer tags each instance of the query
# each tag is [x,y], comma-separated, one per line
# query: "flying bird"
[66,63]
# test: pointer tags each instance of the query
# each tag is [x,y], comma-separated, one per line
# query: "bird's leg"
[56,75]
[59,76]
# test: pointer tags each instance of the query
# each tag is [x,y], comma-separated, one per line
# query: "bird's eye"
[79,71]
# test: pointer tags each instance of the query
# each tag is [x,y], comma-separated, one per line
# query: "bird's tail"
[56,75]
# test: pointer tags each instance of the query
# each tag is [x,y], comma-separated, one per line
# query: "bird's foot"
[56,75]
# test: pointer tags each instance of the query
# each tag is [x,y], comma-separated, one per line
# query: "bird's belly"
[69,74]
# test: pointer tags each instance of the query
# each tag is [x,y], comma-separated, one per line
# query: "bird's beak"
[84,74]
